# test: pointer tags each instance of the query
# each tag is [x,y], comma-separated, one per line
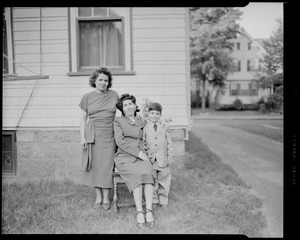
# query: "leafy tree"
[271,77]
[211,42]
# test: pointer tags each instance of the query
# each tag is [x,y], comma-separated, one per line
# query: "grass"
[206,197]
[271,133]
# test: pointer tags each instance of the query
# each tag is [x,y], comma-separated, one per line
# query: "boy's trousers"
[162,184]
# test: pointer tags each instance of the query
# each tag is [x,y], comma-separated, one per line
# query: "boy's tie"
[155,127]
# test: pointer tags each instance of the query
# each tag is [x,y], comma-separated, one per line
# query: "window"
[249,45]
[237,65]
[248,66]
[234,89]
[100,37]
[7,66]
[244,89]
[238,46]
[253,89]
[8,153]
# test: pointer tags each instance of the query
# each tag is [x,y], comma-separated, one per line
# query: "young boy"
[159,145]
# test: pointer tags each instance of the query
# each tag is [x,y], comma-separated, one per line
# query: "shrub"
[274,102]
[196,100]
[252,106]
[238,104]
[226,107]
[279,90]
[261,100]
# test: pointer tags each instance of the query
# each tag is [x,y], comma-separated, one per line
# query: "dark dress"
[101,109]
[133,170]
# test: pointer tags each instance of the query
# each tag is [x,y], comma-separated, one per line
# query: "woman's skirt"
[103,150]
[136,173]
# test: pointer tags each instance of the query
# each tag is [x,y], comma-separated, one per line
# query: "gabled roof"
[257,42]
[260,41]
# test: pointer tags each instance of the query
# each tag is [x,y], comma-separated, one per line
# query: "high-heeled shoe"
[96,205]
[139,224]
[106,206]
[152,223]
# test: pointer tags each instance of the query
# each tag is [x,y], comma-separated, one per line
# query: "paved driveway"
[257,160]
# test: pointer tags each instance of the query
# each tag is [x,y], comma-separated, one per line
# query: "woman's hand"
[83,143]
[143,156]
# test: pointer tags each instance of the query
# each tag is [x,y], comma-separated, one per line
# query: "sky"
[259,18]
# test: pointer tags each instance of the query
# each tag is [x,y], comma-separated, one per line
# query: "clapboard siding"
[158,23]
[37,11]
[159,33]
[158,47]
[41,43]
[36,25]
[160,56]
[160,69]
[57,70]
[44,48]
[41,40]
[156,11]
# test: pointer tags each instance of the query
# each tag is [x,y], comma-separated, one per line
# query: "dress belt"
[90,139]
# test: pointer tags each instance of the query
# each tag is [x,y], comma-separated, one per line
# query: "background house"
[49,54]
[247,55]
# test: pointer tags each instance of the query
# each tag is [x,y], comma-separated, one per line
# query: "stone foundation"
[56,154]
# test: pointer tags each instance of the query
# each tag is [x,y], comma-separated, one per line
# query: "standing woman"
[97,137]
[131,158]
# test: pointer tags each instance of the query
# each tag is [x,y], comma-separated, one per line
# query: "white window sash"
[73,41]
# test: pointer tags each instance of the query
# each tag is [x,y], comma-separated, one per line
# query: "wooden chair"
[118,180]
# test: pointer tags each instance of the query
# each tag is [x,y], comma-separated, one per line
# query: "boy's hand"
[171,161]
[143,156]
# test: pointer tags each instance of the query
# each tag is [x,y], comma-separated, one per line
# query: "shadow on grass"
[206,197]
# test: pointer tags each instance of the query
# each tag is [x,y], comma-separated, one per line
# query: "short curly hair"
[97,72]
[124,97]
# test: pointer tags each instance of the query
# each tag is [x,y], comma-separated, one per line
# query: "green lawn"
[207,197]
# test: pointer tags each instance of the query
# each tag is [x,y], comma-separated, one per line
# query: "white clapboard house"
[247,55]
[48,55]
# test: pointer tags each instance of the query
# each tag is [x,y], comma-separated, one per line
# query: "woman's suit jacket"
[128,137]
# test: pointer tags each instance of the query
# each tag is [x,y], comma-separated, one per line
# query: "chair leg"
[115,197]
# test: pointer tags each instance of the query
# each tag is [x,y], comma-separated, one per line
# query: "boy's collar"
[152,121]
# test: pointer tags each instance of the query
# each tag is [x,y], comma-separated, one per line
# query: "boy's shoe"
[163,205]
[154,206]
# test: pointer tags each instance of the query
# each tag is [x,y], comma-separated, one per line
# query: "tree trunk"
[217,98]
[203,102]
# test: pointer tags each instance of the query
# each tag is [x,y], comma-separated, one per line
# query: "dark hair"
[124,97]
[155,106]
[97,72]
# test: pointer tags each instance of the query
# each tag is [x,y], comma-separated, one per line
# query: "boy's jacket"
[159,143]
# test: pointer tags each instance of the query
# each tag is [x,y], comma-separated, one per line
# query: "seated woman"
[131,158]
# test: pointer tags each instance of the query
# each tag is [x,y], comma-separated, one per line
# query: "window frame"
[238,87]
[14,153]
[237,65]
[253,86]
[249,69]
[9,40]
[74,67]
[249,45]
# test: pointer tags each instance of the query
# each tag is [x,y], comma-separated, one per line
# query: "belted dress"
[98,159]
